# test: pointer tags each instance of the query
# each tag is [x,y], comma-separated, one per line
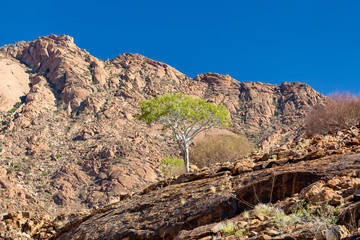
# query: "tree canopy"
[185,116]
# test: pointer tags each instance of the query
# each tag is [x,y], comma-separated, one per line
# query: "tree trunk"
[186,157]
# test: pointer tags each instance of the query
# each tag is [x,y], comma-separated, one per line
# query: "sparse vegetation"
[172,166]
[88,73]
[219,148]
[321,215]
[340,111]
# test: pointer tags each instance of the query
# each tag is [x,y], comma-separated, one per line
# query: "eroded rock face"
[14,83]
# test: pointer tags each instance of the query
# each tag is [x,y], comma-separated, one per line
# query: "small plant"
[246,214]
[88,73]
[171,166]
[242,232]
[213,189]
[264,209]
[281,220]
[229,228]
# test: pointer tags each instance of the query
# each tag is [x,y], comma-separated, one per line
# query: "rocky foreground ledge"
[198,205]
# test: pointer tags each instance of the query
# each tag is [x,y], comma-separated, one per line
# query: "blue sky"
[311,41]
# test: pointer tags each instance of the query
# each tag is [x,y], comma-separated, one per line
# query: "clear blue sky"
[311,41]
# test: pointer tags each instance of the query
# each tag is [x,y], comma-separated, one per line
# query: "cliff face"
[14,83]
[73,142]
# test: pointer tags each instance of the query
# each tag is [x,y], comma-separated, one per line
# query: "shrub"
[340,111]
[219,148]
[172,166]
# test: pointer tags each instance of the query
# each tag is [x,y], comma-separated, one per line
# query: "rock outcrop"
[14,83]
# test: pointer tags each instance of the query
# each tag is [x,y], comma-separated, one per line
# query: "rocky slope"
[72,142]
[223,202]
[195,205]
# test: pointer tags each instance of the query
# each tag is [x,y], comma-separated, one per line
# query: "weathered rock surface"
[14,83]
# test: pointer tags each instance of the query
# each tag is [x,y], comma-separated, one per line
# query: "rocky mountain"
[68,136]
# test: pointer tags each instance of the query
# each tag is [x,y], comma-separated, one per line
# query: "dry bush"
[219,148]
[340,111]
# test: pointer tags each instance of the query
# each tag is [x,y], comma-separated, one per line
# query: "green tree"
[185,116]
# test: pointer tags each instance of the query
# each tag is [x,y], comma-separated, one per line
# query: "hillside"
[321,171]
[72,142]
[198,205]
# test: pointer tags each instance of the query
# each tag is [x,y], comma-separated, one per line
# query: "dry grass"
[340,111]
[219,148]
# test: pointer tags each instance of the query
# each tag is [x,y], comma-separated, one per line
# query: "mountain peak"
[58,38]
